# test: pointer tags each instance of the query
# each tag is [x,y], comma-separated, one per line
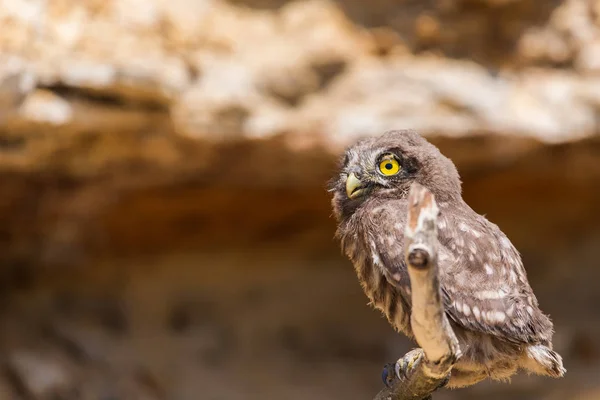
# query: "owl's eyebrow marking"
[390,154]
[387,156]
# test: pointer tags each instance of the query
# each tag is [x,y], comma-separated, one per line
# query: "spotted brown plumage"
[487,297]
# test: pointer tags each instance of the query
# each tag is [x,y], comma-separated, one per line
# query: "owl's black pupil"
[389,166]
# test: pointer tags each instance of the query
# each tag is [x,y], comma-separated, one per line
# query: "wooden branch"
[429,323]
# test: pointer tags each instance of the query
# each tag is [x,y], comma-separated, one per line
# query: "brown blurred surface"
[165,232]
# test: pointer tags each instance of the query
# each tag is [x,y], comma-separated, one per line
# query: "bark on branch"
[429,323]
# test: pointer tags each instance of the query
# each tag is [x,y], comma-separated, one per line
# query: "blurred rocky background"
[165,232]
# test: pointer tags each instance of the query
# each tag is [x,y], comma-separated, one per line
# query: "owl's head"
[384,167]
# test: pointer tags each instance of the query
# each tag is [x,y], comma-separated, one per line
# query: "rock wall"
[166,233]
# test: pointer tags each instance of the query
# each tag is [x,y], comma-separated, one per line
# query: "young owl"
[485,290]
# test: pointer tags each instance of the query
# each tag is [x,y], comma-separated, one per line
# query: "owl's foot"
[407,364]
[402,368]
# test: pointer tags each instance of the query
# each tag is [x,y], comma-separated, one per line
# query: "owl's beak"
[354,187]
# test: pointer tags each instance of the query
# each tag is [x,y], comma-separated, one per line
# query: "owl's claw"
[402,368]
[407,364]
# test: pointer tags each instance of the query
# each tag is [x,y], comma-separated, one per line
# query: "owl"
[486,295]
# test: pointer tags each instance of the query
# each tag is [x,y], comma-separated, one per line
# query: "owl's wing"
[483,281]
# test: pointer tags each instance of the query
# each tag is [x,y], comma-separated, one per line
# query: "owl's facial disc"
[354,187]
[378,169]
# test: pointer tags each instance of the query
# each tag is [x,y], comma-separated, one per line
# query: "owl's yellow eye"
[389,166]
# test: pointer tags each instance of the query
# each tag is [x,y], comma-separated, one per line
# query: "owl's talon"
[407,364]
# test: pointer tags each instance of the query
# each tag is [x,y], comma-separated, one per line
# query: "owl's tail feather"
[542,360]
